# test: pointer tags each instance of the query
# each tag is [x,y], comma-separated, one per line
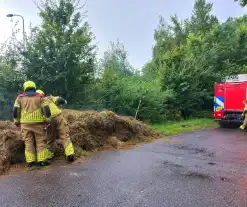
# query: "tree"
[242,2]
[202,20]
[115,61]
[112,68]
[190,55]
[61,56]
[179,30]
[10,83]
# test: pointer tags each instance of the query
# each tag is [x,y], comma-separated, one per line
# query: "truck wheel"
[223,124]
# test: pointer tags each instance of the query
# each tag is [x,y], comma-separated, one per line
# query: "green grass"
[171,128]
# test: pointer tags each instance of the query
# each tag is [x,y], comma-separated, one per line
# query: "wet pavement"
[203,168]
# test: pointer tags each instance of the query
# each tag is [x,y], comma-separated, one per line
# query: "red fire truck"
[228,100]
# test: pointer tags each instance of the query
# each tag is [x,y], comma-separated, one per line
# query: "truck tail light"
[218,115]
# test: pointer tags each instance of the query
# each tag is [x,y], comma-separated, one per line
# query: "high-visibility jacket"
[245,111]
[54,101]
[31,108]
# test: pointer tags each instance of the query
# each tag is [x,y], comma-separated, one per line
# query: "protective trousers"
[60,129]
[35,144]
[244,123]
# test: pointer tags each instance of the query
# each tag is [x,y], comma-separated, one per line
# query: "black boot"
[43,163]
[71,158]
[31,164]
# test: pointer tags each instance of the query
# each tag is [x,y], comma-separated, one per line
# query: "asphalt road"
[204,168]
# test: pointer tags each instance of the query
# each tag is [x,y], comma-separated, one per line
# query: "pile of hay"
[89,130]
[11,145]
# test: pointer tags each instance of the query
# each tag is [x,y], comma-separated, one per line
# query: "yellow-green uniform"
[31,110]
[59,123]
[245,119]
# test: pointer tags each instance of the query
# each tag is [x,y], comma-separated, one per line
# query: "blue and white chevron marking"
[218,103]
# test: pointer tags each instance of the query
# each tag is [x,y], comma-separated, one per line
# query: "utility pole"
[23,28]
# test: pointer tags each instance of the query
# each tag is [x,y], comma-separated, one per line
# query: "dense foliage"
[188,57]
[242,2]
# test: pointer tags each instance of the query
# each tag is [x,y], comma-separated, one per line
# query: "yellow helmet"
[29,84]
[40,92]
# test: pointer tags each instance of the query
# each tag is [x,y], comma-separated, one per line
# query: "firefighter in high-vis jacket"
[244,115]
[59,124]
[31,112]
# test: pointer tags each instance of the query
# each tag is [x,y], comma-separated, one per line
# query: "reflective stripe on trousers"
[43,155]
[69,150]
[30,157]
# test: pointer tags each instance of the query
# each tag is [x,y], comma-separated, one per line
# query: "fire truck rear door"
[234,97]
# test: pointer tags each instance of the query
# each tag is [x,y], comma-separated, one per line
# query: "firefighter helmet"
[28,85]
[40,92]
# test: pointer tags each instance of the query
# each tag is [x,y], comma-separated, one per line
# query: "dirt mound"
[89,130]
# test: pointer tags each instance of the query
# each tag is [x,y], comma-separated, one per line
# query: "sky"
[131,21]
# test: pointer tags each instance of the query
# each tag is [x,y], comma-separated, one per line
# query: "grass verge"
[171,128]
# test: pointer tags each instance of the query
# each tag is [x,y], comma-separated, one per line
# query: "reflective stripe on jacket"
[31,108]
[55,110]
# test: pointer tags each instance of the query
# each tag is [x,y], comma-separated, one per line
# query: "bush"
[124,94]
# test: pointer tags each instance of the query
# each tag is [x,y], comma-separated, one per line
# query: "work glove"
[61,101]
